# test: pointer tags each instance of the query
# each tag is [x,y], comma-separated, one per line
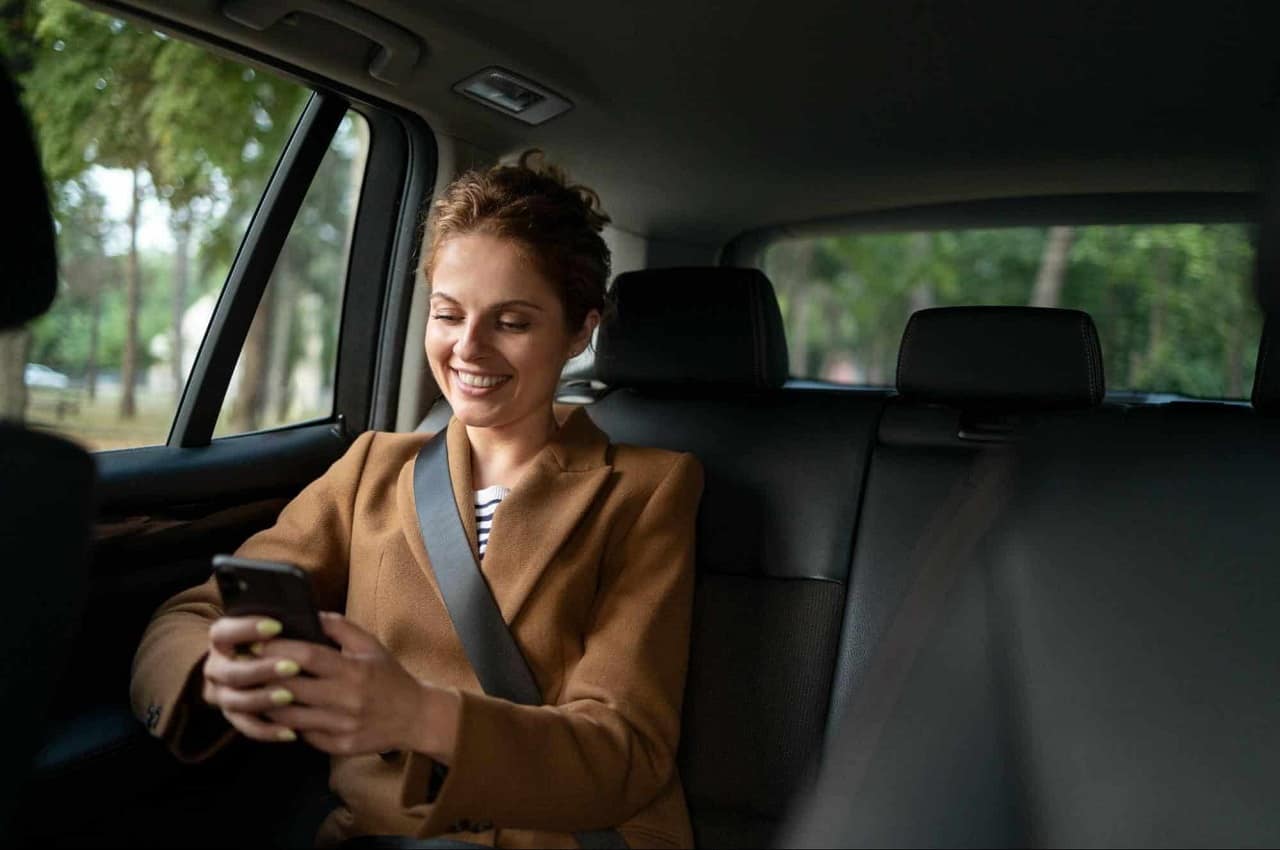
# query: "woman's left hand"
[357,700]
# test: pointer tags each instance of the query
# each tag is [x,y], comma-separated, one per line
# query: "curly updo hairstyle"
[533,203]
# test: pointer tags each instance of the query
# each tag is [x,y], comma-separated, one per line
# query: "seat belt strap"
[489,645]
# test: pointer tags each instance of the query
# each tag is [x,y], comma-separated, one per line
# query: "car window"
[285,374]
[157,153]
[1172,302]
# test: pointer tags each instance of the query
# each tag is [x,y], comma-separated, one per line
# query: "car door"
[270,373]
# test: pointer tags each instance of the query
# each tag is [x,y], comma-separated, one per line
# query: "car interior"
[985,602]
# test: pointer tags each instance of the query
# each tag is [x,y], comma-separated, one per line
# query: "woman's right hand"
[244,687]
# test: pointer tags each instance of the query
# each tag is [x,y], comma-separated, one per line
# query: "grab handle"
[398,49]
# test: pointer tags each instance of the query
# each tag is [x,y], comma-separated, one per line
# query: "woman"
[588,552]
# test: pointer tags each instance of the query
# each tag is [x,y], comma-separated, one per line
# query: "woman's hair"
[533,203]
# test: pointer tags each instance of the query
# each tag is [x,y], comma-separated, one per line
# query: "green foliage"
[204,133]
[1172,302]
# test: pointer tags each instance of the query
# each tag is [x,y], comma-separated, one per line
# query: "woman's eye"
[446,317]
[513,326]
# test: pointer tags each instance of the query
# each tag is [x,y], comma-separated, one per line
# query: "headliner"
[698,121]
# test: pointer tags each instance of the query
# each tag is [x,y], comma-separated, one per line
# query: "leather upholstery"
[1023,357]
[1103,671]
[1266,379]
[699,326]
[30,264]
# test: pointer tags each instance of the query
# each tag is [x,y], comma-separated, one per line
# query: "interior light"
[513,95]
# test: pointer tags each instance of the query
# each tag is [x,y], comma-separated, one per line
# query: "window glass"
[286,369]
[157,153]
[1173,303]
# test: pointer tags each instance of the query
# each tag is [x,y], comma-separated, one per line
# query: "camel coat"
[590,558]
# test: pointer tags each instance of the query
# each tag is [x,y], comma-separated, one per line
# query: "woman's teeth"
[481,381]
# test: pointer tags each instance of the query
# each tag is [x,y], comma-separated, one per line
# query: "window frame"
[400,168]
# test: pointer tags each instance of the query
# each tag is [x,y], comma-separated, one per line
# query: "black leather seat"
[1104,670]
[46,490]
[969,379]
[46,487]
[695,361]
[1266,376]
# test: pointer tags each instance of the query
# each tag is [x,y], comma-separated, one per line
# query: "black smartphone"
[271,589]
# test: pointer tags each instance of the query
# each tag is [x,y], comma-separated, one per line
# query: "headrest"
[702,325]
[1266,378]
[1001,357]
[30,264]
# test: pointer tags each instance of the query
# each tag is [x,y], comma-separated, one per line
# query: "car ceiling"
[697,121]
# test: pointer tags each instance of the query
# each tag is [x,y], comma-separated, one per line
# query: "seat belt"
[940,556]
[490,647]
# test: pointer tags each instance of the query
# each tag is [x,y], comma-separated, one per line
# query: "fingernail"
[281,696]
[285,667]
[286,735]
[257,648]
[269,628]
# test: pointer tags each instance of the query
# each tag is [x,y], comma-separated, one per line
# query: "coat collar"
[535,518]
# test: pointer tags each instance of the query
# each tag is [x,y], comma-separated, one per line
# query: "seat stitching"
[1088,351]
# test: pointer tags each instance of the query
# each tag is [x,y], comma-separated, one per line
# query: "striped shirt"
[486,503]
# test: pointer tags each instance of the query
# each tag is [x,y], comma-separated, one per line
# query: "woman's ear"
[583,337]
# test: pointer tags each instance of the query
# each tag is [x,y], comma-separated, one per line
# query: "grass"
[97,425]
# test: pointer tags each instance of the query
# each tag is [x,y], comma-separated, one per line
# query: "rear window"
[1173,303]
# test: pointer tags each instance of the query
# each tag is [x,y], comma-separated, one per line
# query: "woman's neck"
[501,454]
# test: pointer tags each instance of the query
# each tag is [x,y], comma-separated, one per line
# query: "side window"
[157,153]
[286,370]
[1172,302]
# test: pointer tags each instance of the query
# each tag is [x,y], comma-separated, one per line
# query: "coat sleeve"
[608,748]
[313,532]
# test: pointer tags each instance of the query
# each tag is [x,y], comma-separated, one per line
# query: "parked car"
[36,375]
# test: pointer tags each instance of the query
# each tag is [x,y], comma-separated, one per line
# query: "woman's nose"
[471,343]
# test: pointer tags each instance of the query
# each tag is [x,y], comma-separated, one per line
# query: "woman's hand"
[360,699]
[245,687]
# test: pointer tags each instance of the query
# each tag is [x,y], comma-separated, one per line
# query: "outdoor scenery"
[1173,303]
[157,153]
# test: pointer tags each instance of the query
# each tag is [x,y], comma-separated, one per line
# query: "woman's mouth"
[474,383]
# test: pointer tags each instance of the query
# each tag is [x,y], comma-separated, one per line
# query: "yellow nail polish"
[281,696]
[286,735]
[258,648]
[285,667]
[269,628]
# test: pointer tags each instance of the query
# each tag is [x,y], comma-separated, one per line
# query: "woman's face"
[496,337]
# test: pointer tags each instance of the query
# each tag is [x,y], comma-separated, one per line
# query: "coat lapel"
[543,509]
[533,521]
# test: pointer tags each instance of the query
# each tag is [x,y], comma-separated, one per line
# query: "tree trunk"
[1159,310]
[95,323]
[15,345]
[181,283]
[133,305]
[282,291]
[247,409]
[798,339]
[1047,291]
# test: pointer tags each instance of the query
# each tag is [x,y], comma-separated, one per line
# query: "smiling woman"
[587,549]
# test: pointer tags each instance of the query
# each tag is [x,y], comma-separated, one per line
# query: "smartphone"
[271,589]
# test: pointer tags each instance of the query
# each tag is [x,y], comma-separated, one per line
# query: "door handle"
[398,49]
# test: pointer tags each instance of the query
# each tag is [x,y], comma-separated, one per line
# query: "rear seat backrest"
[1266,378]
[968,378]
[695,360]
